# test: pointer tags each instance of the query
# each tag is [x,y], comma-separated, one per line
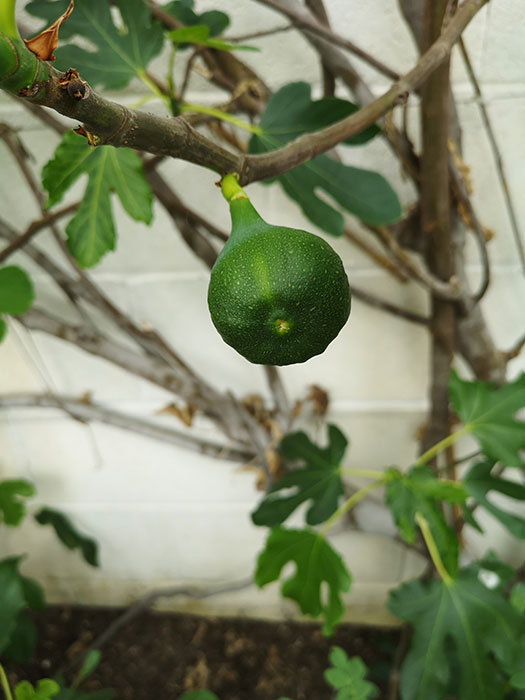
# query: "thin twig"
[395,672]
[280,397]
[387,306]
[34,228]
[496,153]
[88,411]
[259,34]
[460,189]
[304,22]
[146,602]
[391,266]
[444,290]
[515,350]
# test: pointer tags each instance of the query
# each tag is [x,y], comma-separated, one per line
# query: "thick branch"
[117,125]
[436,221]
[88,411]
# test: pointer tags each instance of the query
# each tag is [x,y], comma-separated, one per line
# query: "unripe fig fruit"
[277,295]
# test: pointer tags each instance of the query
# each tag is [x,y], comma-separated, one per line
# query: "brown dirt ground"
[161,655]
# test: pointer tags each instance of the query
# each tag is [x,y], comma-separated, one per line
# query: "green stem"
[3,678]
[365,473]
[442,445]
[7,19]
[171,66]
[154,89]
[219,114]
[231,189]
[350,503]
[433,550]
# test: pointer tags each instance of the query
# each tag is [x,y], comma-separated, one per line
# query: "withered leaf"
[46,42]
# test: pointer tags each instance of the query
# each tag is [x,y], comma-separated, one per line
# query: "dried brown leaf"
[184,414]
[46,42]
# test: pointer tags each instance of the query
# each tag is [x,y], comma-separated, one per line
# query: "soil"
[161,655]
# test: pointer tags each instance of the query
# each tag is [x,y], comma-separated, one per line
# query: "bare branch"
[86,410]
[496,153]
[34,228]
[387,306]
[280,398]
[117,125]
[444,290]
[515,349]
[390,266]
[147,601]
[302,21]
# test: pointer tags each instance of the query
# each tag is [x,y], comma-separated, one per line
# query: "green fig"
[277,295]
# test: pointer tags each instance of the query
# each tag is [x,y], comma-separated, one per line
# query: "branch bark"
[119,126]
[87,411]
[436,220]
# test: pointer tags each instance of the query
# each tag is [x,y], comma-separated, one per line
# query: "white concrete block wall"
[163,515]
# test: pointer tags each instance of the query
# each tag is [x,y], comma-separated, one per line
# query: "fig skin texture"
[277,295]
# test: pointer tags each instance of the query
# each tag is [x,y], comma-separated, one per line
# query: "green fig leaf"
[121,53]
[477,623]
[22,641]
[91,231]
[419,491]
[12,507]
[479,481]
[69,535]
[316,563]
[16,291]
[182,10]
[291,113]
[12,600]
[199,695]
[488,413]
[3,329]
[319,481]
[347,676]
[17,592]
[45,690]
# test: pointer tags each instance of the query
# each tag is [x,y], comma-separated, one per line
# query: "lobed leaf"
[478,624]
[45,689]
[316,563]
[17,592]
[419,491]
[319,481]
[68,534]
[12,508]
[347,676]
[290,113]
[91,231]
[183,10]
[479,481]
[121,53]
[16,290]
[489,414]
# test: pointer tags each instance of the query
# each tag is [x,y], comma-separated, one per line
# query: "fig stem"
[231,189]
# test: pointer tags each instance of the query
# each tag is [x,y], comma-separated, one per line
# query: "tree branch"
[436,221]
[86,410]
[302,21]
[34,228]
[496,153]
[117,125]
